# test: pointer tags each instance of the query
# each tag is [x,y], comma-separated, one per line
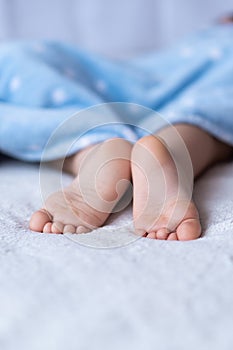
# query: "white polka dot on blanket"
[170,114]
[15,83]
[187,52]
[59,96]
[215,53]
[187,101]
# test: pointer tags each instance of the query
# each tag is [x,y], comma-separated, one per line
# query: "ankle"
[222,151]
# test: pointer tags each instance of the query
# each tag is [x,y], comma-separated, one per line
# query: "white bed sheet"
[56,294]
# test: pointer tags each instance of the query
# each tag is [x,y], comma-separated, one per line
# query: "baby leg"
[100,172]
[164,221]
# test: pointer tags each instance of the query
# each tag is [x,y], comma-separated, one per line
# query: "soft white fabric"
[56,294]
[115,28]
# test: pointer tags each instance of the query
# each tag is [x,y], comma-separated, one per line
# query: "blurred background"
[117,28]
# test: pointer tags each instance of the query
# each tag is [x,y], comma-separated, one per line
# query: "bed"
[57,293]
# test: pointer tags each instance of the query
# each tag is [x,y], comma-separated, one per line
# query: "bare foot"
[162,209]
[103,177]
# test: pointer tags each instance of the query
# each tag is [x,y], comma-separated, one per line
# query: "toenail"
[82,229]
[57,227]
[69,229]
[47,228]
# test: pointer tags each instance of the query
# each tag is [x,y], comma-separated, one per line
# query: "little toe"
[39,219]
[172,237]
[57,227]
[48,227]
[82,229]
[162,233]
[69,229]
[189,229]
[151,235]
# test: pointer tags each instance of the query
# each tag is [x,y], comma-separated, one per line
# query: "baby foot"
[103,177]
[161,209]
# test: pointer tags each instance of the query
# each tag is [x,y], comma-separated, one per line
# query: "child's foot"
[159,212]
[89,200]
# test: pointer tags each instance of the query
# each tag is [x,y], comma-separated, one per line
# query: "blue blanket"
[44,83]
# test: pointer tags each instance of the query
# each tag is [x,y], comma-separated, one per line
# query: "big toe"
[189,229]
[39,219]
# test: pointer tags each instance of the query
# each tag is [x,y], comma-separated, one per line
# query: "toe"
[69,229]
[151,235]
[82,229]
[189,229]
[162,233]
[172,237]
[39,219]
[57,227]
[48,227]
